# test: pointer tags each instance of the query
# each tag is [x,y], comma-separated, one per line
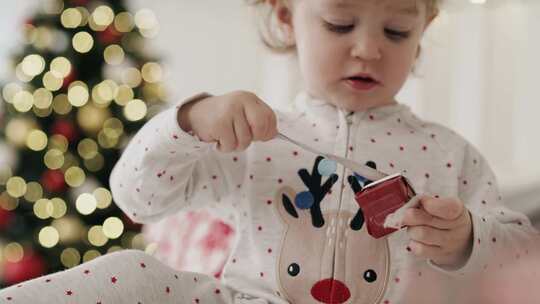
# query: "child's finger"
[226,138]
[444,208]
[427,235]
[257,115]
[271,131]
[242,132]
[419,217]
[256,121]
[423,250]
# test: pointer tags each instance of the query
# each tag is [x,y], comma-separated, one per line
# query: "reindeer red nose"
[330,291]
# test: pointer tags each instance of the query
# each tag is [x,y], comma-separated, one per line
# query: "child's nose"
[366,47]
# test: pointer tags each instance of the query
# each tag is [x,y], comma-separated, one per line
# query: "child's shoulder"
[444,136]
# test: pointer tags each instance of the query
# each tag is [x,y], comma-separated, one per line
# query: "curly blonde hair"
[269,30]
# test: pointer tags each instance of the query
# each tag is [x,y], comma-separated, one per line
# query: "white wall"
[481,79]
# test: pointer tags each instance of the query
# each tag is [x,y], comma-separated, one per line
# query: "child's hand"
[232,120]
[440,230]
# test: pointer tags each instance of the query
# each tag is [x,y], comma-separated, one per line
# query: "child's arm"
[472,231]
[165,169]
[499,235]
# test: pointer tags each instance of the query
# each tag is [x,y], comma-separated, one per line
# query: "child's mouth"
[362,83]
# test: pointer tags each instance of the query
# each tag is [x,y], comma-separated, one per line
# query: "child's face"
[376,37]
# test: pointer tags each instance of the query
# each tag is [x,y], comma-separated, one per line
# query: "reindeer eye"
[294,269]
[370,276]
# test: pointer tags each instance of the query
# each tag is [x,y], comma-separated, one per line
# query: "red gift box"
[381,198]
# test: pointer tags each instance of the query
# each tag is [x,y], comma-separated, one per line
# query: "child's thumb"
[444,208]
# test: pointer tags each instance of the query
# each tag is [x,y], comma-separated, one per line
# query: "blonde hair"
[270,32]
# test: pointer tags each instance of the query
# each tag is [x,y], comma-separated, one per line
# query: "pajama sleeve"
[499,234]
[164,169]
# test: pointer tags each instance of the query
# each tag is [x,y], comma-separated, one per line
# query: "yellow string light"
[60,67]
[33,65]
[135,110]
[13,252]
[54,159]
[113,127]
[86,204]
[44,37]
[106,141]
[51,82]
[9,91]
[58,142]
[114,248]
[42,112]
[48,237]
[113,227]
[34,192]
[124,22]
[61,104]
[82,42]
[70,257]
[7,202]
[85,15]
[90,255]
[74,177]
[124,95]
[5,174]
[91,117]
[103,197]
[145,19]
[17,131]
[71,18]
[114,54]
[42,98]
[95,163]
[21,75]
[87,148]
[16,186]
[103,15]
[36,140]
[152,72]
[59,208]
[132,77]
[52,7]
[43,208]
[96,236]
[78,94]
[23,101]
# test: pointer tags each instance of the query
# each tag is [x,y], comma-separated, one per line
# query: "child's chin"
[354,104]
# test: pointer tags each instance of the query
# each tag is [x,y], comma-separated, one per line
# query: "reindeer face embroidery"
[327,257]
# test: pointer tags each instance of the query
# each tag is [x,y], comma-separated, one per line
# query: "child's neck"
[355,105]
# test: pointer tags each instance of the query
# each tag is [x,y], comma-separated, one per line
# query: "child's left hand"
[440,230]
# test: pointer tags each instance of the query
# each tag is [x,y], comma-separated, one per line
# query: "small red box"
[381,198]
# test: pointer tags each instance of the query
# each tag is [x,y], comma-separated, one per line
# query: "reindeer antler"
[313,183]
[318,191]
[358,220]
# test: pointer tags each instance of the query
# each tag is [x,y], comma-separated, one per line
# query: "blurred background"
[478,74]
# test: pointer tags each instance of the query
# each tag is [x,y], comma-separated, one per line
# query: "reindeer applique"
[328,257]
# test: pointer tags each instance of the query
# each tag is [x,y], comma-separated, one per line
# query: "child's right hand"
[233,120]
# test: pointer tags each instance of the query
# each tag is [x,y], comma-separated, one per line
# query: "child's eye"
[336,28]
[396,35]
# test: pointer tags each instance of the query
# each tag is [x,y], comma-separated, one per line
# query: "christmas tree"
[83,84]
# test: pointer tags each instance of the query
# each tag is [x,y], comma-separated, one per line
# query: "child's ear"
[285,20]
[430,19]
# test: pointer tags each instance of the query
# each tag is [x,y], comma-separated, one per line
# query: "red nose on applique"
[330,291]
